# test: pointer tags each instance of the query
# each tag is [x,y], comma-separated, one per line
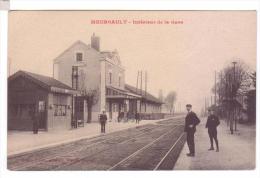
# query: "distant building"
[149,103]
[86,67]
[31,95]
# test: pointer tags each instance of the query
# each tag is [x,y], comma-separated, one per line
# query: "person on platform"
[137,118]
[35,118]
[103,120]
[191,121]
[212,124]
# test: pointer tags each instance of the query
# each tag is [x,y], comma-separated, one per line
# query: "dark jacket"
[212,122]
[103,118]
[137,116]
[191,119]
[35,118]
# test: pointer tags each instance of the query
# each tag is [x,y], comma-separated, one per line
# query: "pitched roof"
[71,46]
[148,96]
[44,81]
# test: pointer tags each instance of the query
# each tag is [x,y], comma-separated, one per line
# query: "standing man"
[137,117]
[103,120]
[35,117]
[191,121]
[212,124]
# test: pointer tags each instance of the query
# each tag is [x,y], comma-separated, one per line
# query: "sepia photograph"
[131,90]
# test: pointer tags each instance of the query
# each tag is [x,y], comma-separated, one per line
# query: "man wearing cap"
[212,124]
[191,121]
[103,120]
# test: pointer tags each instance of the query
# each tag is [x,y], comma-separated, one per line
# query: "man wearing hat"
[191,121]
[103,120]
[212,124]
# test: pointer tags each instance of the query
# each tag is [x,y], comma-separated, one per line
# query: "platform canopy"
[115,93]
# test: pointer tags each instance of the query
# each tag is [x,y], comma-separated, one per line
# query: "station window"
[60,110]
[81,106]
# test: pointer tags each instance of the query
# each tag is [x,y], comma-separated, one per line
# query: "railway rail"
[149,147]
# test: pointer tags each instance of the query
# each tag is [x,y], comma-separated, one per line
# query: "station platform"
[237,151]
[25,141]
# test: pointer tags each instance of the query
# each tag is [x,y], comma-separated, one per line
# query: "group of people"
[191,121]
[103,120]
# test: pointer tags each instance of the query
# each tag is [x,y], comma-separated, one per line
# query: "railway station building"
[31,95]
[86,68]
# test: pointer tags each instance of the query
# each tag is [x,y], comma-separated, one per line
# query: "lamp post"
[215,97]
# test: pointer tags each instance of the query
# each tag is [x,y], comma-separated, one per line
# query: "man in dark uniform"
[137,118]
[191,121]
[103,120]
[35,117]
[212,124]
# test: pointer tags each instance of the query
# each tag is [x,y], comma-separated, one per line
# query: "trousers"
[103,127]
[190,141]
[213,136]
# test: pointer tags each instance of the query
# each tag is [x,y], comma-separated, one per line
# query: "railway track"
[81,154]
[170,158]
[155,155]
[64,149]
[125,142]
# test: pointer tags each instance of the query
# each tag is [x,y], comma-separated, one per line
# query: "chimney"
[95,42]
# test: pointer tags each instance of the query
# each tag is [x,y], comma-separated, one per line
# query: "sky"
[177,57]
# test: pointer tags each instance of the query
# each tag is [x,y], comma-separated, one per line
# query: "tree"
[90,95]
[234,82]
[170,100]
[253,77]
[251,100]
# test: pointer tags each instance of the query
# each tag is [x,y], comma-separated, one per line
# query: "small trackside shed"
[31,95]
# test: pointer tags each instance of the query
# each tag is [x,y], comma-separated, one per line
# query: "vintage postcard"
[131,90]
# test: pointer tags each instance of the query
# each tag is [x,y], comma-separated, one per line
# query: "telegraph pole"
[226,99]
[145,83]
[137,79]
[220,95]
[231,118]
[141,86]
[234,95]
[141,83]
[145,88]
[205,106]
[215,99]
[137,85]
